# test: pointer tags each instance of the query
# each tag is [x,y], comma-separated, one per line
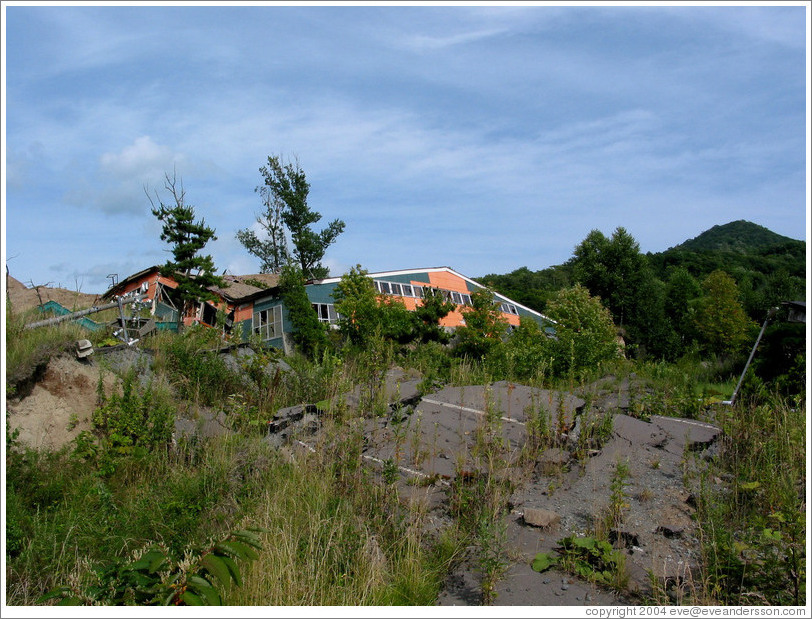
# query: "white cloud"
[424,42]
[117,186]
[142,159]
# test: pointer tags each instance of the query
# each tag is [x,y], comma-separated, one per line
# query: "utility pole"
[770,314]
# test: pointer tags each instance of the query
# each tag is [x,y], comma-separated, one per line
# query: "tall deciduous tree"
[612,269]
[585,335]
[615,270]
[681,290]
[271,246]
[192,270]
[720,319]
[287,190]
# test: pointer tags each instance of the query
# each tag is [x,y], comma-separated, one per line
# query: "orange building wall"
[449,281]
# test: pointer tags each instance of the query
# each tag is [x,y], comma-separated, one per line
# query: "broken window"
[268,323]
[326,312]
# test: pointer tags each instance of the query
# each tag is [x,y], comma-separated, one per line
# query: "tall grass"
[330,544]
[26,349]
[754,533]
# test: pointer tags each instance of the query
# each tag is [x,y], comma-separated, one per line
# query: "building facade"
[253,304]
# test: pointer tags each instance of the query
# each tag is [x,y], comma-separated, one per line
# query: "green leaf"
[54,593]
[543,561]
[750,485]
[70,601]
[583,542]
[217,567]
[204,588]
[191,599]
[249,537]
[236,549]
[157,560]
[232,569]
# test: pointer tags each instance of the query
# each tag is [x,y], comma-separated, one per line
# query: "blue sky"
[484,138]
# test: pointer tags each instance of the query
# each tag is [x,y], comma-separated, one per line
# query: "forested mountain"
[745,250]
[740,236]
[658,299]
[739,247]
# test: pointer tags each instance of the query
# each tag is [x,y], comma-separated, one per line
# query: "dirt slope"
[23,298]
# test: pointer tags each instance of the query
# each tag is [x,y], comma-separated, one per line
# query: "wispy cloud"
[117,185]
[425,42]
[479,137]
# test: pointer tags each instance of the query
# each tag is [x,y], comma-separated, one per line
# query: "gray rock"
[542,518]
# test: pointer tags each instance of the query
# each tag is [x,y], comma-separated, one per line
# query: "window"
[326,312]
[509,308]
[466,299]
[396,289]
[384,287]
[268,323]
[456,297]
[208,314]
[418,291]
[407,290]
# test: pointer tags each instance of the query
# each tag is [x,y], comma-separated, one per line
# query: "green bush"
[194,367]
[134,420]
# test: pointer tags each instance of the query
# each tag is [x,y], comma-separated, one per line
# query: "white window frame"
[326,312]
[509,308]
[268,323]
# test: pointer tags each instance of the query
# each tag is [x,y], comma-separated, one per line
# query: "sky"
[480,137]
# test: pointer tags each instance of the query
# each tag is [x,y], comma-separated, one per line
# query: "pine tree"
[193,272]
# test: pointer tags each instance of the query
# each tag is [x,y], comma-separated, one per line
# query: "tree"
[720,320]
[357,305]
[309,333]
[432,308]
[615,270]
[485,326]
[528,350]
[612,269]
[363,313]
[272,249]
[681,290]
[287,190]
[193,271]
[585,334]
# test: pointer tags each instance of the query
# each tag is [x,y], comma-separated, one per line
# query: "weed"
[154,578]
[594,560]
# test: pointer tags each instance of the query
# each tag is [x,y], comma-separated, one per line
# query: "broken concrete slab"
[687,433]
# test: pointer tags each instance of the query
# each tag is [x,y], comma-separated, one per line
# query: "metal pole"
[770,314]
[80,313]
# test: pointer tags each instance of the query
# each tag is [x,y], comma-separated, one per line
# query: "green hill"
[737,236]
[751,253]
